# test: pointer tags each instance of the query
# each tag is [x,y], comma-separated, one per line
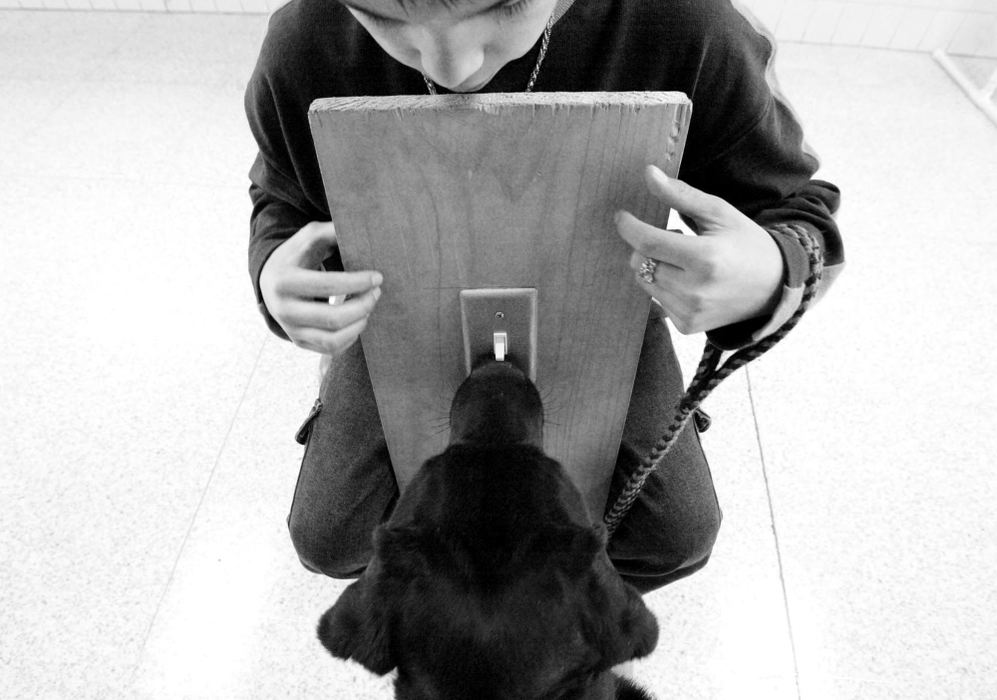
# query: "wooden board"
[452,192]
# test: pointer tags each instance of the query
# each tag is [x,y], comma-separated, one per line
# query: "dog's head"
[490,580]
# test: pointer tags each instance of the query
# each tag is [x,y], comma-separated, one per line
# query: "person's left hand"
[730,272]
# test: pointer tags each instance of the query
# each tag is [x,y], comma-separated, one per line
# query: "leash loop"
[708,376]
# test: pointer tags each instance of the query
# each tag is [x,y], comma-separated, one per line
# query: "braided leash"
[708,376]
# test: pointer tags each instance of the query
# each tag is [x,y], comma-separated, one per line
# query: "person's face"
[460,47]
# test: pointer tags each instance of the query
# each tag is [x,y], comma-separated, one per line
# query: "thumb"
[704,208]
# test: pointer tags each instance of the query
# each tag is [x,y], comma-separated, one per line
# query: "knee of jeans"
[325,552]
[697,545]
[694,545]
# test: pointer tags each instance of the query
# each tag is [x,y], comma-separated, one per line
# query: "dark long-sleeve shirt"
[744,142]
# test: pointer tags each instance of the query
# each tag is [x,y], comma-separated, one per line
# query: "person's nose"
[450,57]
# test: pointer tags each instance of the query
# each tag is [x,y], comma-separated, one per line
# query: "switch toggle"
[501,343]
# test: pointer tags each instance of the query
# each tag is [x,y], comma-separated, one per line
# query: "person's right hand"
[296,292]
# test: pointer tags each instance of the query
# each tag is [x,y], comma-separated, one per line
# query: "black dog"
[490,581]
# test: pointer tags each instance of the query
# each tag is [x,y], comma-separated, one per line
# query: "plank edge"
[498,100]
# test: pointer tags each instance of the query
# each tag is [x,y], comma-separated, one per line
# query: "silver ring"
[647,269]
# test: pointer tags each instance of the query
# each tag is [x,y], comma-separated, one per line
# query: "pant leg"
[670,530]
[346,486]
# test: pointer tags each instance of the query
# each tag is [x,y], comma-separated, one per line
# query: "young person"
[745,187]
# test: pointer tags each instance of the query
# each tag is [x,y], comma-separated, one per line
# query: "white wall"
[967,27]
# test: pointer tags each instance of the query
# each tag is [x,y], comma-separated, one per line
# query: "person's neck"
[562,7]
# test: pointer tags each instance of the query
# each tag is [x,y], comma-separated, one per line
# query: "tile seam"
[775,532]
[193,519]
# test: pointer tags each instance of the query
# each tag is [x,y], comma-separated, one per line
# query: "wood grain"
[452,192]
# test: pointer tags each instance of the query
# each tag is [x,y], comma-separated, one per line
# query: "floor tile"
[11,20]
[118,388]
[875,413]
[113,131]
[27,106]
[724,631]
[47,45]
[884,124]
[185,48]
[221,148]
[239,617]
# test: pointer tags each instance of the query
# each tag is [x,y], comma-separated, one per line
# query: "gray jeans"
[346,486]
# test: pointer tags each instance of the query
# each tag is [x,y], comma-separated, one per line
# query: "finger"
[329,342]
[672,247]
[703,207]
[317,314]
[316,243]
[669,281]
[676,310]
[313,284]
[669,304]
[661,274]
[662,270]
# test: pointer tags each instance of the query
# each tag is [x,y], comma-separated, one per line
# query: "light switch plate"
[513,311]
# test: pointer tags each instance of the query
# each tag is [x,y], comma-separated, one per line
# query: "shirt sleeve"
[281,205]
[761,164]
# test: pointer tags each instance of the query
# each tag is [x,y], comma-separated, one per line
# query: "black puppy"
[490,581]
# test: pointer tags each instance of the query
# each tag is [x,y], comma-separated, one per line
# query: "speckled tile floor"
[146,460]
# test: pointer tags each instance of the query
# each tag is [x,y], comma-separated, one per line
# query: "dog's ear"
[626,628]
[398,549]
[359,625]
[638,627]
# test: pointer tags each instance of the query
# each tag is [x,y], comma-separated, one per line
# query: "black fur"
[490,580]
